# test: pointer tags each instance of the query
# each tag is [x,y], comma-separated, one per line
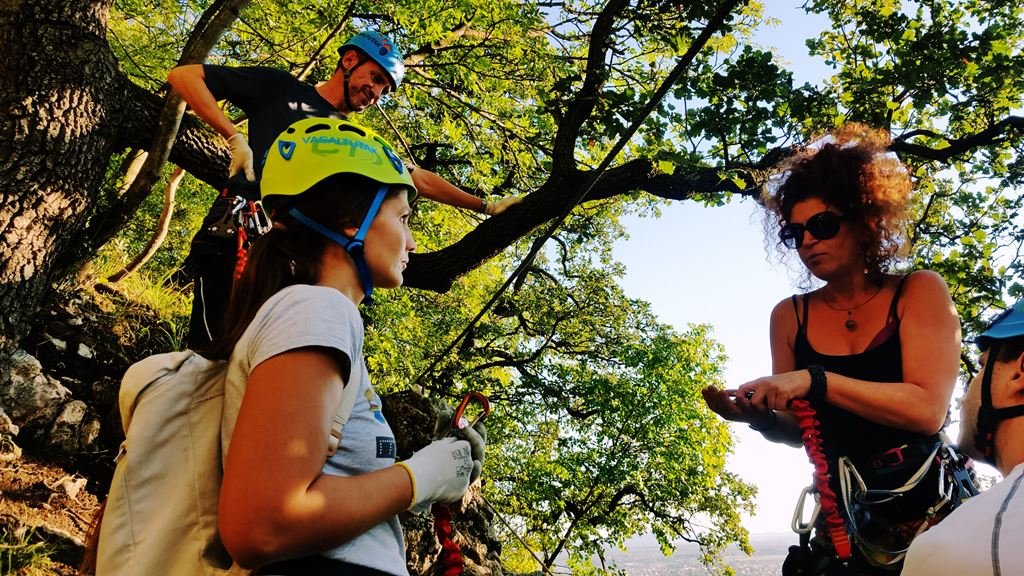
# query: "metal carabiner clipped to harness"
[798,524]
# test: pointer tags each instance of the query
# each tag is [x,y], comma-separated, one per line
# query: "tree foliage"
[946,78]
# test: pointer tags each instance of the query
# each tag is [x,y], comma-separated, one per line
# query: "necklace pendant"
[850,323]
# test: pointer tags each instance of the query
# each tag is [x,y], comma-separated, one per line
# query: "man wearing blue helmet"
[983,537]
[370,65]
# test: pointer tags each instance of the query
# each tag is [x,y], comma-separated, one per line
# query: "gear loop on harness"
[843,526]
[248,221]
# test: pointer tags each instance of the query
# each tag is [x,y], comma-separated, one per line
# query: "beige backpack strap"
[348,400]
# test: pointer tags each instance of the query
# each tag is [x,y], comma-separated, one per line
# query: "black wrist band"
[819,384]
[775,420]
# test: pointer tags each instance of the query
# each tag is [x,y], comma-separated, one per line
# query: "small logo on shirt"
[385,447]
[375,405]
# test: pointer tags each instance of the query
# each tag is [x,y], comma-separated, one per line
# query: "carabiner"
[459,420]
[798,525]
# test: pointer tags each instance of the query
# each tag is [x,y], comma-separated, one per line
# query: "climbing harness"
[954,486]
[846,528]
[451,555]
[242,220]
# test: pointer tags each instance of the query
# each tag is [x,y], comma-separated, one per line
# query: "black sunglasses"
[823,225]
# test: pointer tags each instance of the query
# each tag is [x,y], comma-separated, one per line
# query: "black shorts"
[317,566]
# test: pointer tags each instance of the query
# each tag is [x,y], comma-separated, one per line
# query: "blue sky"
[717,273]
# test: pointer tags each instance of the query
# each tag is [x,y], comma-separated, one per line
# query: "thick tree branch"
[957,146]
[212,25]
[580,107]
[437,271]
[423,52]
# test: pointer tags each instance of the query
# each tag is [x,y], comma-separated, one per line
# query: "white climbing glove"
[495,208]
[241,157]
[476,436]
[440,472]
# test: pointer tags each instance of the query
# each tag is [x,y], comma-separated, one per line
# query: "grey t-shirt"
[302,316]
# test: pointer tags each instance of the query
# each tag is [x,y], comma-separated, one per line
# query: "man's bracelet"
[775,420]
[483,206]
[819,384]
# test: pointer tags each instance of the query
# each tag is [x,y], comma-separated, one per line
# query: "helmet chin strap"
[347,76]
[989,416]
[348,101]
[353,246]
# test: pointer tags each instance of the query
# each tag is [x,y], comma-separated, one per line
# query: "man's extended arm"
[189,81]
[436,188]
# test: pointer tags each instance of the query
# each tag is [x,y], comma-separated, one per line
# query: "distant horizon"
[646,559]
[648,540]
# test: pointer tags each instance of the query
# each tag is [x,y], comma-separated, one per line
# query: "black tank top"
[845,433]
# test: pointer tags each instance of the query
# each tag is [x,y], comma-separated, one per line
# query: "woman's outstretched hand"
[775,392]
[733,406]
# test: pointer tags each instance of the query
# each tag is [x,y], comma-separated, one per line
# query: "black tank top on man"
[884,455]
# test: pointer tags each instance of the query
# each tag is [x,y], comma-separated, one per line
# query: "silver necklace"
[850,323]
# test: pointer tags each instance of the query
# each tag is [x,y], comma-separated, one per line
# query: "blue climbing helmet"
[1009,324]
[1006,326]
[381,50]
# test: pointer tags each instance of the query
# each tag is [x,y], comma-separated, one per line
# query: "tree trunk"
[59,130]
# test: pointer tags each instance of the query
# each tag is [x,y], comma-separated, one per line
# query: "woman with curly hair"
[875,353]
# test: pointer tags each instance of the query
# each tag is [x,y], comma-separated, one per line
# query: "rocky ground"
[43,508]
[50,475]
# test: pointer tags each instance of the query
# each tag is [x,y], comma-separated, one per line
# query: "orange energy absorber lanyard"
[807,419]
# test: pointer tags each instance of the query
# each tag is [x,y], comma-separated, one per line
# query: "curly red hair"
[853,172]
